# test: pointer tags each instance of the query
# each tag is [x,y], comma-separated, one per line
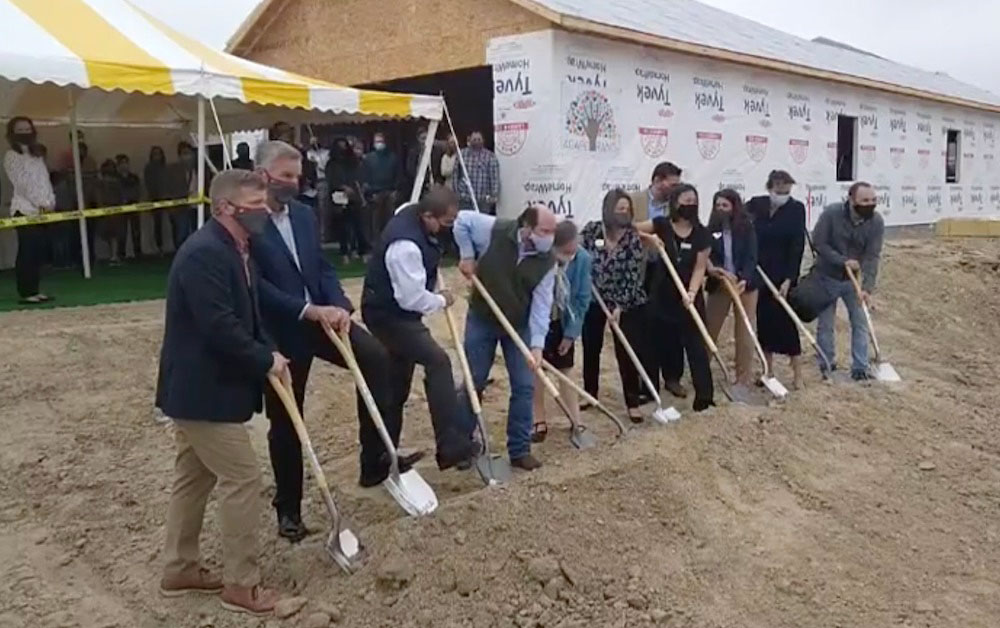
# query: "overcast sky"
[954,36]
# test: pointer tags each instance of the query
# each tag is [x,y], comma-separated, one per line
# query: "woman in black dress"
[780,222]
[688,243]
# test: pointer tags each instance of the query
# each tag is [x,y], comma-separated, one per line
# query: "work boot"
[291,527]
[676,389]
[861,376]
[194,580]
[255,600]
[526,462]
[374,477]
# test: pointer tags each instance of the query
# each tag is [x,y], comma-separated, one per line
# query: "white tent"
[109,63]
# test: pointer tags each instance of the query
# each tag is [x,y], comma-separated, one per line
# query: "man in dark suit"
[300,292]
[213,368]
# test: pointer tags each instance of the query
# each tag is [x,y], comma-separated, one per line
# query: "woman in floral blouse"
[618,258]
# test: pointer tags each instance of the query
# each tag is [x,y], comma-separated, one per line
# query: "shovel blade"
[581,438]
[666,416]
[885,372]
[776,388]
[412,493]
[345,549]
[493,469]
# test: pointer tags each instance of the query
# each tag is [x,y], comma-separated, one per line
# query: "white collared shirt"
[283,222]
[405,264]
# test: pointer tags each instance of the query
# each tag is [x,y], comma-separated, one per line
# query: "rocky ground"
[847,506]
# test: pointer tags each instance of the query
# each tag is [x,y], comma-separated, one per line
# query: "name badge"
[685,245]
[717,235]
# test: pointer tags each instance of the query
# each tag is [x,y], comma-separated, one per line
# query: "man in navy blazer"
[299,292]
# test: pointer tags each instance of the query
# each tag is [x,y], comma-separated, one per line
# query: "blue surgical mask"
[543,244]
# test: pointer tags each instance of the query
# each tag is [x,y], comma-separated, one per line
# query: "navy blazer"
[744,255]
[215,355]
[283,285]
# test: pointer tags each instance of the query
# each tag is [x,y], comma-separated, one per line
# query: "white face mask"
[543,244]
[777,200]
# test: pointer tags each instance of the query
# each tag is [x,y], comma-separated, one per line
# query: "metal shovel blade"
[494,469]
[885,372]
[345,549]
[581,438]
[666,416]
[776,388]
[412,492]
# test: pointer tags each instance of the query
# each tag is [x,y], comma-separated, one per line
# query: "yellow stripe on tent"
[113,61]
[257,87]
[385,103]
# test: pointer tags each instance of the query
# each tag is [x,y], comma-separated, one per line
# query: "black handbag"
[810,296]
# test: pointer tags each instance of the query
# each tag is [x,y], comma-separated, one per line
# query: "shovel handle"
[518,342]
[864,307]
[343,345]
[584,395]
[792,315]
[292,409]
[463,360]
[734,296]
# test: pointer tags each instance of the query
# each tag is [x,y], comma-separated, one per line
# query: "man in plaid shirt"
[484,173]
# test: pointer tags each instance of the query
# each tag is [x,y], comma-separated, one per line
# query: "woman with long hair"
[688,244]
[24,163]
[155,178]
[733,259]
[618,261]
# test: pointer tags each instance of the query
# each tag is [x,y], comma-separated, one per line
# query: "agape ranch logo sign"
[590,123]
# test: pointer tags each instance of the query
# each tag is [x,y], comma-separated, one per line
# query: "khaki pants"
[717,309]
[208,454]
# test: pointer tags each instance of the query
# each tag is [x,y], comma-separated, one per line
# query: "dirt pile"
[846,506]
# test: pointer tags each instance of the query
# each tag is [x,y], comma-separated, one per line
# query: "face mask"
[543,244]
[282,193]
[24,138]
[688,212]
[865,211]
[253,220]
[777,200]
[618,220]
[380,146]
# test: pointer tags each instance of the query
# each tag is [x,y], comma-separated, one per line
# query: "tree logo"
[709,144]
[590,115]
[757,147]
[654,141]
[510,137]
[799,150]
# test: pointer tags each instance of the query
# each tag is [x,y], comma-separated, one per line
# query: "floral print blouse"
[617,272]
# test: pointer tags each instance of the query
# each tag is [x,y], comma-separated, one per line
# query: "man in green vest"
[513,259]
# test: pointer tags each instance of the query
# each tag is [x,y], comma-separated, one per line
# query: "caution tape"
[98,212]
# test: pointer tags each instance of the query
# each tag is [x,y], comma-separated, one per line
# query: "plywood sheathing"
[968,228]
[356,42]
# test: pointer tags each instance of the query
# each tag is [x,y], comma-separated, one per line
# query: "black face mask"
[865,211]
[687,212]
[27,139]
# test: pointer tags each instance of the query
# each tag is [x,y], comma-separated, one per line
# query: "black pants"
[133,225]
[409,343]
[158,217]
[632,324]
[676,334]
[381,206]
[352,230]
[28,265]
[283,443]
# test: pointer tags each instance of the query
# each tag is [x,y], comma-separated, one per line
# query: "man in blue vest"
[398,293]
[513,259]
[299,293]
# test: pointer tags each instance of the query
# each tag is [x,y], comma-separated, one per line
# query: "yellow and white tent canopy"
[146,73]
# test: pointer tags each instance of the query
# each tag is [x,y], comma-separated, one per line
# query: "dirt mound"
[846,506]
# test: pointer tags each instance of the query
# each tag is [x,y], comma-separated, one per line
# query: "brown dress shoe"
[199,580]
[676,389]
[528,463]
[255,600]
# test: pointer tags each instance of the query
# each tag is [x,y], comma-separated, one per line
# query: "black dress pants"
[283,442]
[676,334]
[28,264]
[632,324]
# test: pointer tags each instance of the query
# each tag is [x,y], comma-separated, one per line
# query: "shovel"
[770,382]
[342,545]
[587,397]
[795,319]
[409,489]
[883,371]
[712,348]
[661,415]
[579,435]
[492,469]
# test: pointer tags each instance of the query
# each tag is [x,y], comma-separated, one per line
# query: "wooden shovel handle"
[523,348]
[734,296]
[792,315]
[586,396]
[682,289]
[463,360]
[864,307]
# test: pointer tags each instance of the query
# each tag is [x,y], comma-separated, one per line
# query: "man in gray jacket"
[849,235]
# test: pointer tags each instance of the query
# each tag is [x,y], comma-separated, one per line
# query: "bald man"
[514,261]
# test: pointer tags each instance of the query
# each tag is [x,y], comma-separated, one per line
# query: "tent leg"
[461,161]
[425,160]
[78,180]
[201,161]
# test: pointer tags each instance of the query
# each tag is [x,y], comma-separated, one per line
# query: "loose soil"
[847,506]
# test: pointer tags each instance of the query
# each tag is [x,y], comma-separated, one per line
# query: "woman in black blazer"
[733,258]
[780,223]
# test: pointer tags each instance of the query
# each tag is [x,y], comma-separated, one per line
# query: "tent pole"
[425,160]
[78,180]
[461,161]
[201,160]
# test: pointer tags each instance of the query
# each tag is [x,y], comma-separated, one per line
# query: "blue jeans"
[859,327]
[481,338]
